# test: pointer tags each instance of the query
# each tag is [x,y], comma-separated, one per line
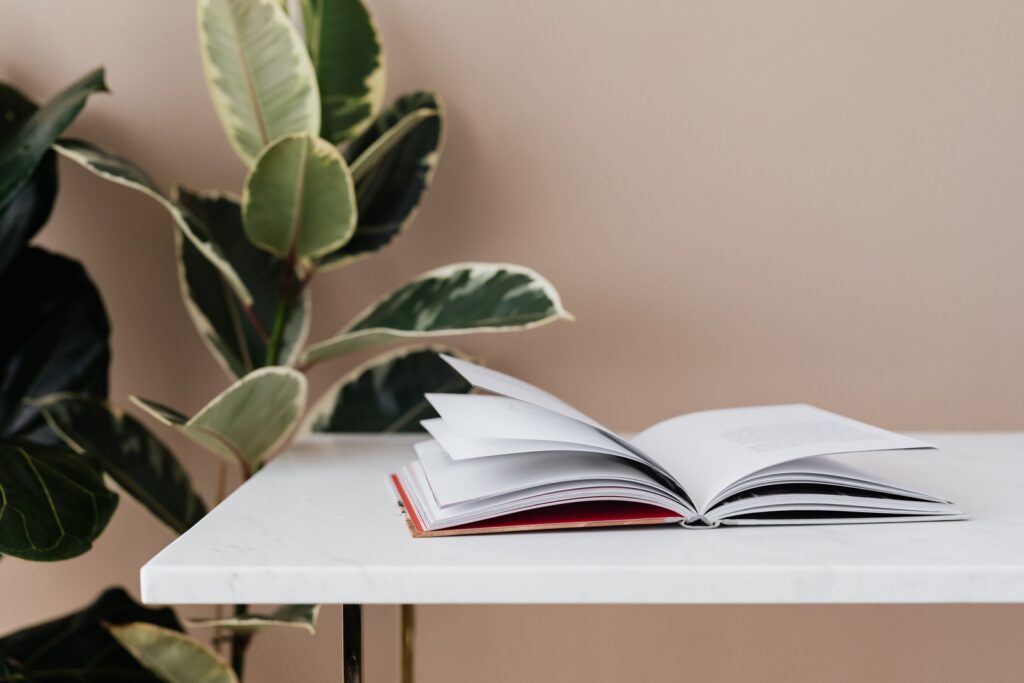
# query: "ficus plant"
[333,176]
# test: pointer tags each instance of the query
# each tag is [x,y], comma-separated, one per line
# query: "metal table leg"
[408,633]
[352,643]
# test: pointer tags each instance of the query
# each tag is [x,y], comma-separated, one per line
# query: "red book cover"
[565,516]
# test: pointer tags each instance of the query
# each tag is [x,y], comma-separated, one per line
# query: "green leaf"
[30,208]
[260,77]
[78,647]
[55,337]
[138,461]
[457,299]
[299,199]
[173,656]
[53,503]
[248,421]
[386,393]
[218,315]
[118,170]
[293,616]
[21,152]
[349,62]
[392,165]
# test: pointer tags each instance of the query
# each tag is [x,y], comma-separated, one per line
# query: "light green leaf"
[118,170]
[21,152]
[248,421]
[457,299]
[219,316]
[386,394]
[53,502]
[138,461]
[293,616]
[349,62]
[299,199]
[392,164]
[260,77]
[173,656]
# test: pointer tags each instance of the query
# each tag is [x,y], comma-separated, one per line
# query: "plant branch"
[250,314]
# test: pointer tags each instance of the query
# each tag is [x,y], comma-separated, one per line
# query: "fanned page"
[524,459]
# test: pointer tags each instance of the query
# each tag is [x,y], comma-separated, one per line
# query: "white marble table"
[320,525]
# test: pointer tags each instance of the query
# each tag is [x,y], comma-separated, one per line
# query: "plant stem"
[250,313]
[288,291]
[274,345]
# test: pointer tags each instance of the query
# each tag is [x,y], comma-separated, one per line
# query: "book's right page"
[710,450]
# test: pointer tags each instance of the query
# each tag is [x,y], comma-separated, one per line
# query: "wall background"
[741,202]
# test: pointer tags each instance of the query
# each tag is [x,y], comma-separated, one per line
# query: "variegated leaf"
[118,170]
[260,77]
[173,656]
[133,457]
[288,616]
[299,200]
[220,318]
[246,422]
[346,52]
[386,394]
[392,164]
[457,299]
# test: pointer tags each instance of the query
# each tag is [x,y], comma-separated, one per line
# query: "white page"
[498,417]
[454,481]
[460,447]
[710,450]
[512,387]
[822,469]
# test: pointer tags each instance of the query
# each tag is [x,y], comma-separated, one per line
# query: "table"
[320,524]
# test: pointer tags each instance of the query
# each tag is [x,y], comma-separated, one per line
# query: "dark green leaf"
[217,313]
[21,152]
[55,337]
[390,188]
[138,461]
[346,53]
[30,208]
[386,394]
[28,211]
[78,648]
[53,502]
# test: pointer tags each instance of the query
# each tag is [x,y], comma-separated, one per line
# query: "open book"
[522,459]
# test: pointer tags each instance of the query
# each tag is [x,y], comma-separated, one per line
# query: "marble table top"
[320,524]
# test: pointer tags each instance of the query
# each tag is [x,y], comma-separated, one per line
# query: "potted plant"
[333,176]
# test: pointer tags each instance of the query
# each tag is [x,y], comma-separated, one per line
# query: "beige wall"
[742,202]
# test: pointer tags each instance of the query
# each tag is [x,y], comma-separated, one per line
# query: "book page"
[462,447]
[710,450]
[461,481]
[506,385]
